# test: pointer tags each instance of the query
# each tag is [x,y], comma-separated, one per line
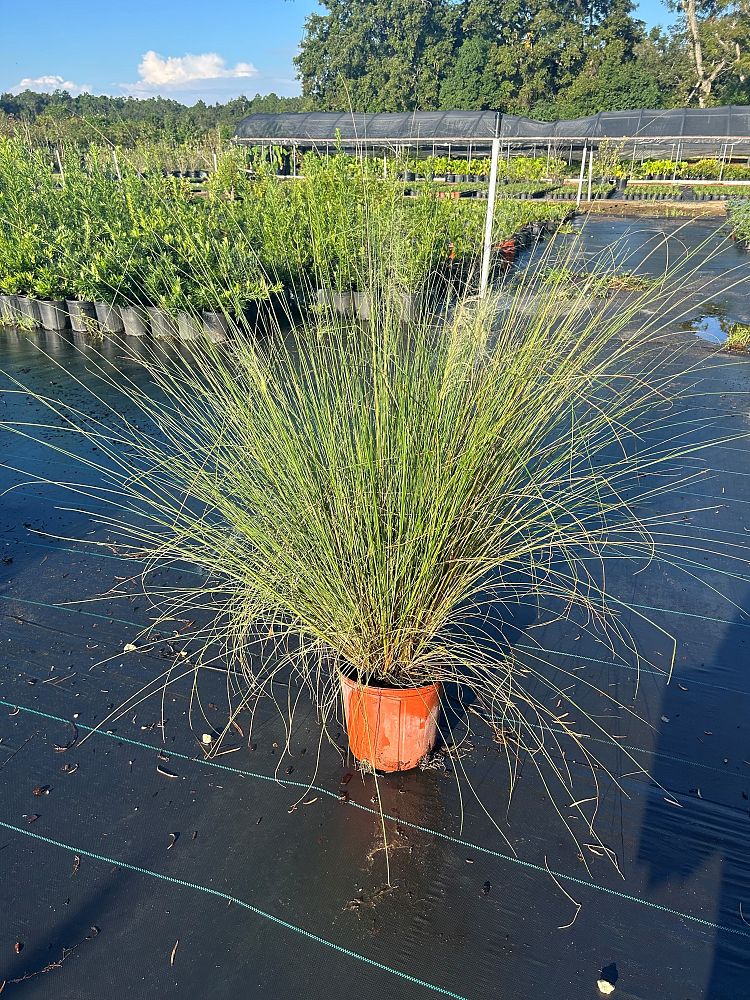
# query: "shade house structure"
[678,132]
[640,134]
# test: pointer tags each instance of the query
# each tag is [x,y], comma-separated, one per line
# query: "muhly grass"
[370,496]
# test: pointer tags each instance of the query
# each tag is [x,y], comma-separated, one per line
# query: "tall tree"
[378,55]
[718,32]
[537,49]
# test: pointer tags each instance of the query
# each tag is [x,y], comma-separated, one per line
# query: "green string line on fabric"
[573,879]
[238,902]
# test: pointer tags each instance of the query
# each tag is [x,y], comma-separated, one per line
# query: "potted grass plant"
[363,502]
[371,511]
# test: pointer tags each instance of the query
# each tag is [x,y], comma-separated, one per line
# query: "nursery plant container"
[29,310]
[52,314]
[134,321]
[82,315]
[342,303]
[216,326]
[324,297]
[362,304]
[409,306]
[108,317]
[9,311]
[507,250]
[390,728]
[163,324]
[189,326]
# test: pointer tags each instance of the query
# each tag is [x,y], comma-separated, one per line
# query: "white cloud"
[176,72]
[49,83]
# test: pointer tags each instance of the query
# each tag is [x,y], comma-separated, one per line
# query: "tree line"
[545,58]
[129,120]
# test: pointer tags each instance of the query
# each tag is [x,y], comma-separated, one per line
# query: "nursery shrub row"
[739,220]
[143,242]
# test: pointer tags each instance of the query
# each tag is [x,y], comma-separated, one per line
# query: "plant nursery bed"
[142,859]
[690,209]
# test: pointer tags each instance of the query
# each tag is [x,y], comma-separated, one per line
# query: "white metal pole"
[59,165]
[489,221]
[591,172]
[117,165]
[580,176]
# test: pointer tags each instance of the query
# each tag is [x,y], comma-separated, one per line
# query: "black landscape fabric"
[131,866]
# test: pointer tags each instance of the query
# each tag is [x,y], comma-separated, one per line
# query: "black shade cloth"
[696,130]
[328,126]
[725,124]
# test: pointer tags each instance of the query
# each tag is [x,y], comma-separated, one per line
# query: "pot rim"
[398,692]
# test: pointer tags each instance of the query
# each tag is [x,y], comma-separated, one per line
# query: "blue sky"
[210,50]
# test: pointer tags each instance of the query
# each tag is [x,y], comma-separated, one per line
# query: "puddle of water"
[714,325]
[713,329]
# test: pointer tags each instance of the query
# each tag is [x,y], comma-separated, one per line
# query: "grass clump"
[738,337]
[598,282]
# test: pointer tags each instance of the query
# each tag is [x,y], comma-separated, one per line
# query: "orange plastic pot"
[508,250]
[390,728]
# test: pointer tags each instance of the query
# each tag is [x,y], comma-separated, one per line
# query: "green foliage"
[519,189]
[739,220]
[395,55]
[145,238]
[377,55]
[602,189]
[706,168]
[660,168]
[738,337]
[725,191]
[653,190]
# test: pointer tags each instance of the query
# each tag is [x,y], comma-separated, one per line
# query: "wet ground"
[131,865]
